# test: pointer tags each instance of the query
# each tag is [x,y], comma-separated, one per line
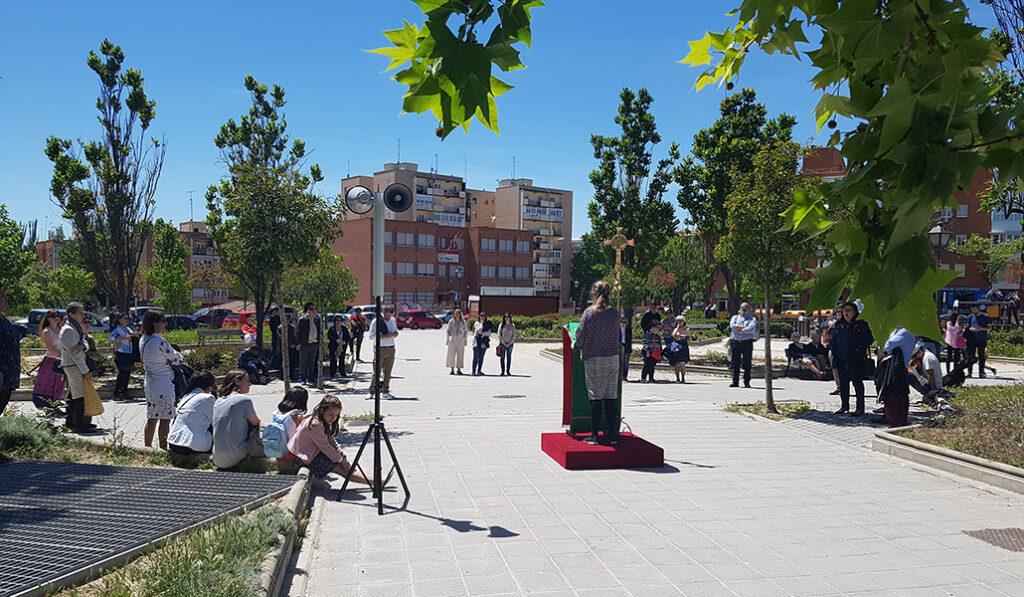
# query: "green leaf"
[700,51]
[405,45]
[896,108]
[499,87]
[830,105]
[831,282]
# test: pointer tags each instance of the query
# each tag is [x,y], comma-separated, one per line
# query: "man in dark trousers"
[308,338]
[626,340]
[357,328]
[979,324]
[742,331]
[338,339]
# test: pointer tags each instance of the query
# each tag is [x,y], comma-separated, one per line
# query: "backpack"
[275,437]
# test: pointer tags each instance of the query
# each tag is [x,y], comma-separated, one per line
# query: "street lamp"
[939,237]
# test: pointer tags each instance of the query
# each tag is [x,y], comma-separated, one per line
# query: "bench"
[224,336]
[823,364]
[702,326]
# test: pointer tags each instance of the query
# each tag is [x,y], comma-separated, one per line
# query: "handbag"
[93,406]
[182,373]
[656,353]
[57,368]
[497,349]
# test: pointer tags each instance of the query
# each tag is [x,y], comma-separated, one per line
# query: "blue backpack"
[275,437]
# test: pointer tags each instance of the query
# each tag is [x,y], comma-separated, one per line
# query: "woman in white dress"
[157,357]
[456,335]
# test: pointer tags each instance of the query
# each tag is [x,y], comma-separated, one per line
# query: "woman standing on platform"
[49,387]
[598,337]
[455,338]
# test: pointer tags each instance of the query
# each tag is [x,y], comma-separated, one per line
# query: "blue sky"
[194,56]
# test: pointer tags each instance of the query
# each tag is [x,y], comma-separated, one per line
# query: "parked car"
[417,320]
[137,313]
[31,322]
[180,322]
[332,316]
[445,316]
[211,317]
[293,314]
[367,309]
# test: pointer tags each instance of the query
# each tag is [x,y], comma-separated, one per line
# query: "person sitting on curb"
[236,427]
[315,447]
[251,360]
[191,431]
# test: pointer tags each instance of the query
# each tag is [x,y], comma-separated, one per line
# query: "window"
[487,272]
[425,269]
[442,242]
[457,271]
[406,269]
[522,246]
[522,273]
[389,268]
[405,298]
[426,240]
[947,213]
[387,238]
[460,243]
[442,271]
[405,239]
[961,210]
[505,273]
[961,240]
[505,246]
[961,268]
[425,298]
[487,244]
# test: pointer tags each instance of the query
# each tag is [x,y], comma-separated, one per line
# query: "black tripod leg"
[355,463]
[394,459]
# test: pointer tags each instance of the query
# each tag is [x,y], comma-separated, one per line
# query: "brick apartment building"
[517,204]
[201,254]
[432,266]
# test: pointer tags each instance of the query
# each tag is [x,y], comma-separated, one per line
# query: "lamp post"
[939,237]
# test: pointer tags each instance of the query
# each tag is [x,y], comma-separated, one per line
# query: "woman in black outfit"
[850,342]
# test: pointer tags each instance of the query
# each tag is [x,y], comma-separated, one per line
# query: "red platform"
[631,452]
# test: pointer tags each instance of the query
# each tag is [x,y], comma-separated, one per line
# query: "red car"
[417,320]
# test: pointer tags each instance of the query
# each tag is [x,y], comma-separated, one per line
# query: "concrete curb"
[275,563]
[974,468]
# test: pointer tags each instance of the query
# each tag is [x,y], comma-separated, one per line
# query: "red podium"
[568,448]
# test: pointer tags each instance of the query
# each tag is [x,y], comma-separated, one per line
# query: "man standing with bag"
[743,332]
[76,368]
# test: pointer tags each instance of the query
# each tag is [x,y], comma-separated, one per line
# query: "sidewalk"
[744,507]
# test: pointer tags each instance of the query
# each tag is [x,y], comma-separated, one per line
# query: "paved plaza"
[744,506]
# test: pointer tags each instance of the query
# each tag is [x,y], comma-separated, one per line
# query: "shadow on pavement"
[845,420]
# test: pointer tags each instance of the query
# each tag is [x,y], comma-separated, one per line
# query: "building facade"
[212,289]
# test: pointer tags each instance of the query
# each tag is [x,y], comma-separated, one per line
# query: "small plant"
[786,409]
[24,436]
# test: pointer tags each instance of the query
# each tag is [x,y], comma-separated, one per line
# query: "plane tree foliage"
[909,80]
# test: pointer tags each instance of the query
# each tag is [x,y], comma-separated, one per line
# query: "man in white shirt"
[387,348]
[925,372]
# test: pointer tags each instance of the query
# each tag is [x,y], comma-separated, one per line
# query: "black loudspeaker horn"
[398,197]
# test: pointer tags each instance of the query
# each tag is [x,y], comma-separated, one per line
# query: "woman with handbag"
[76,367]
[679,348]
[455,339]
[157,357]
[481,342]
[651,352]
[48,389]
[124,357]
[849,345]
[506,340]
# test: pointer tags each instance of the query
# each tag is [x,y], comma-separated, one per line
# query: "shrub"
[24,435]
[210,359]
[1008,337]
[781,329]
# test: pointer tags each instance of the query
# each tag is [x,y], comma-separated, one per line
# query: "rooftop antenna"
[191,207]
[465,168]
[399,150]
[435,163]
[513,167]
[348,168]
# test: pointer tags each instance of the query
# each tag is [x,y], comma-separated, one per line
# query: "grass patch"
[220,560]
[988,423]
[999,348]
[362,417]
[786,409]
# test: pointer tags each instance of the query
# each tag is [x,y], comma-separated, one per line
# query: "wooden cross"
[618,242]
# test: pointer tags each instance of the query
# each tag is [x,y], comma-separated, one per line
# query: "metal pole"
[378,292]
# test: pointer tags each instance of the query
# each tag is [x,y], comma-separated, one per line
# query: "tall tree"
[208,279]
[109,197]
[629,188]
[589,264]
[14,259]
[720,153]
[684,256]
[327,283]
[70,283]
[168,273]
[757,245]
[265,215]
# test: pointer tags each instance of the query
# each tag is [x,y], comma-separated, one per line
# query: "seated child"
[251,360]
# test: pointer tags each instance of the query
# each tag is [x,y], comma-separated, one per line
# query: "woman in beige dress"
[456,336]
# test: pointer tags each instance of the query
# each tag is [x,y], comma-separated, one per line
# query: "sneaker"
[613,440]
[734,385]
[591,439]
[370,396]
[746,385]
[982,376]
[834,392]
[387,396]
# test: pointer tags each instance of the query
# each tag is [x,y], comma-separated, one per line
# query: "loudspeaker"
[359,199]
[397,197]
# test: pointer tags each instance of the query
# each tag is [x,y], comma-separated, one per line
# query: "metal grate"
[56,518]
[1010,539]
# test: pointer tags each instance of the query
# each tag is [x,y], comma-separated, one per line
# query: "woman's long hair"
[601,293]
[295,398]
[149,321]
[955,319]
[45,321]
[329,401]
[841,322]
[457,315]
[230,385]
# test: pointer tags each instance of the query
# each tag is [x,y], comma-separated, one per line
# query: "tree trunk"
[769,399]
[733,285]
[320,353]
[284,324]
